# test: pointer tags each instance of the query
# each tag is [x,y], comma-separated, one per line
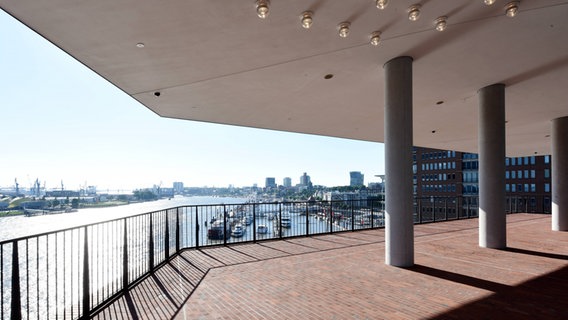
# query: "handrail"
[74,272]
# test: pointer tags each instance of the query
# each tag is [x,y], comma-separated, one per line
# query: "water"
[21,226]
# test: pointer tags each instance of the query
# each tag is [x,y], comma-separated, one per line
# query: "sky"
[60,122]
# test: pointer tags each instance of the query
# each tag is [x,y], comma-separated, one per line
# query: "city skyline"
[63,122]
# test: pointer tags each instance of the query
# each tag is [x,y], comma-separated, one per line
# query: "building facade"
[441,175]
[356,178]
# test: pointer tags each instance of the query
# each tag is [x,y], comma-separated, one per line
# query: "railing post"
[224,225]
[254,222]
[307,219]
[353,215]
[197,227]
[330,214]
[86,278]
[280,220]
[151,245]
[468,206]
[125,257]
[16,305]
[167,237]
[177,231]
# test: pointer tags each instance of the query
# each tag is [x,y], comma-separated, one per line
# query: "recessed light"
[433,131]
[375,38]
[414,12]
[512,8]
[140,45]
[344,29]
[307,19]
[328,76]
[441,23]
[157,93]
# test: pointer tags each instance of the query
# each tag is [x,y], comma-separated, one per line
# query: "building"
[305,180]
[178,187]
[356,179]
[442,173]
[287,182]
[270,183]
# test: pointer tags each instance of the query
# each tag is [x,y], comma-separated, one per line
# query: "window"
[546,159]
[533,174]
[513,161]
[547,187]
[513,174]
[507,162]
[507,187]
[527,187]
[526,174]
[513,188]
[533,160]
[507,175]
[533,187]
[526,161]
[520,174]
[547,173]
[519,187]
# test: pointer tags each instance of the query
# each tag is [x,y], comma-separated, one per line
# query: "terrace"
[343,276]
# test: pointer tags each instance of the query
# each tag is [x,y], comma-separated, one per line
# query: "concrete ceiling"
[216,61]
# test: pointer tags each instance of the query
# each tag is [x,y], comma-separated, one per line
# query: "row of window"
[438,177]
[438,166]
[438,155]
[439,188]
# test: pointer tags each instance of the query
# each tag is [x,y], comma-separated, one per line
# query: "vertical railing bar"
[352,216]
[37,278]
[125,257]
[280,219]
[16,303]
[151,244]
[28,279]
[64,272]
[47,273]
[254,222]
[167,237]
[197,227]
[2,281]
[56,277]
[177,230]
[86,277]
[71,276]
[307,219]
[224,225]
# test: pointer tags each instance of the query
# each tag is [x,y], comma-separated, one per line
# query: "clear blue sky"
[60,121]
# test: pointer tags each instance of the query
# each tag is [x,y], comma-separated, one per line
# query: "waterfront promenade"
[343,276]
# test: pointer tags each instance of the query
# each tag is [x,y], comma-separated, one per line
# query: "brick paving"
[343,276]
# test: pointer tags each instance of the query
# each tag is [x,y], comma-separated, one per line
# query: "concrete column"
[560,174]
[492,217]
[399,222]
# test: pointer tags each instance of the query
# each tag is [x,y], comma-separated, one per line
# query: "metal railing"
[73,273]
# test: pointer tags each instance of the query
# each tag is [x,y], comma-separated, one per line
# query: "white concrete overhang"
[216,61]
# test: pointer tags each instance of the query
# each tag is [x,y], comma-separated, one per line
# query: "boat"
[217,231]
[286,221]
[247,220]
[262,229]
[239,230]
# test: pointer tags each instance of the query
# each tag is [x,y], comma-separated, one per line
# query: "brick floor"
[343,276]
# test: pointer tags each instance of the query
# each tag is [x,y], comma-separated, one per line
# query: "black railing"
[73,273]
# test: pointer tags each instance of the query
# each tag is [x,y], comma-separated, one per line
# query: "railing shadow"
[537,253]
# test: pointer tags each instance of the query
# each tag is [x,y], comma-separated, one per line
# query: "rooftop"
[343,276]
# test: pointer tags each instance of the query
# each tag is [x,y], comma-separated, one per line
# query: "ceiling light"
[413,12]
[140,45]
[489,2]
[262,8]
[343,29]
[307,19]
[375,38]
[512,8]
[441,23]
[382,4]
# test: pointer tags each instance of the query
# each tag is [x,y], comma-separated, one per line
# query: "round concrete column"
[492,217]
[399,222]
[560,174]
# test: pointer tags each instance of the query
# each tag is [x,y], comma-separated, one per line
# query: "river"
[21,226]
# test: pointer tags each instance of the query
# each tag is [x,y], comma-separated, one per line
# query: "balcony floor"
[343,276]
